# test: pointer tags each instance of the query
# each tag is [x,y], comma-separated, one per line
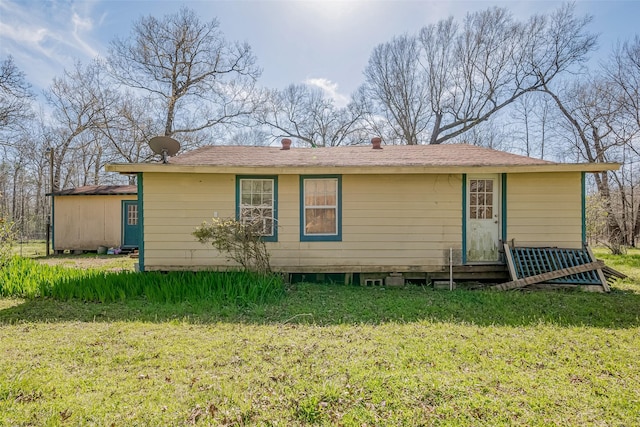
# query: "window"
[481,198]
[320,208]
[256,202]
[132,214]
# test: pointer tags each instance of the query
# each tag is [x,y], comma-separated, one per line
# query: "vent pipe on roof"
[376,142]
[286,144]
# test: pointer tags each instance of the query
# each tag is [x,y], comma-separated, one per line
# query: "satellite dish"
[165,146]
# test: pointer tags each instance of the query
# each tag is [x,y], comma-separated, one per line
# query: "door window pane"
[132,214]
[481,198]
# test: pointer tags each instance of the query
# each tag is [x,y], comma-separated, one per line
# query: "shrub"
[7,239]
[242,242]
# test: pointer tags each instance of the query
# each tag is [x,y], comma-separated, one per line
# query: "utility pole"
[50,216]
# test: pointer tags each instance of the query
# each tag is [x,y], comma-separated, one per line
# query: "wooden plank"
[548,276]
[510,264]
[603,279]
[608,271]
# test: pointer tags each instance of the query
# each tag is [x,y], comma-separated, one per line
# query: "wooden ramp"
[555,267]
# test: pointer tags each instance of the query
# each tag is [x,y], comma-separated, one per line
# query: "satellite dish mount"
[164,146]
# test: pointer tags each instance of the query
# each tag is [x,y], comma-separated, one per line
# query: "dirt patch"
[100,262]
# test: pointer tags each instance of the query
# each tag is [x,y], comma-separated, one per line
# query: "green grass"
[26,278]
[30,249]
[628,263]
[326,355]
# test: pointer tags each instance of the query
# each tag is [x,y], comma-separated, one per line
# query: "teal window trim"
[123,220]
[583,191]
[321,238]
[503,208]
[274,178]
[464,218]
[140,222]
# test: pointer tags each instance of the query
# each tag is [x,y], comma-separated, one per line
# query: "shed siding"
[390,222]
[545,209]
[87,222]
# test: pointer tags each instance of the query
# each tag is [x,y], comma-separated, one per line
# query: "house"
[89,217]
[361,213]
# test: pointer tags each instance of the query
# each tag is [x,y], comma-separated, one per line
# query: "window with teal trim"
[320,208]
[256,203]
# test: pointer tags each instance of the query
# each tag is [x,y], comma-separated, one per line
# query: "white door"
[483,218]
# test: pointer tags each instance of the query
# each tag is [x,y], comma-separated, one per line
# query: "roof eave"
[128,168]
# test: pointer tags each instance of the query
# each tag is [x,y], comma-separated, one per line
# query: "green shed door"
[130,230]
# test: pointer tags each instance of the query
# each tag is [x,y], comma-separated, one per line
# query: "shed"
[85,218]
[362,212]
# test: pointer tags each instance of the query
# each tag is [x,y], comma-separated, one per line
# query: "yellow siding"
[394,222]
[87,222]
[389,222]
[545,209]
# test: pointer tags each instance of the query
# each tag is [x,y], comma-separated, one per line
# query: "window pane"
[489,199]
[256,203]
[321,192]
[473,212]
[320,221]
[489,185]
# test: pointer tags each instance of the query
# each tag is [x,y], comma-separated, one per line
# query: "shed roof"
[440,158]
[99,190]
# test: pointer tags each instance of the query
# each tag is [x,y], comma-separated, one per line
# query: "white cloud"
[330,90]
[46,37]
[81,25]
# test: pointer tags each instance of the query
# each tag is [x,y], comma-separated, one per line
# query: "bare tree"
[77,104]
[397,83]
[195,77]
[453,77]
[594,117]
[15,97]
[304,113]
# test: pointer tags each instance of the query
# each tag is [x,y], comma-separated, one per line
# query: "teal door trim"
[583,190]
[130,233]
[464,218]
[504,208]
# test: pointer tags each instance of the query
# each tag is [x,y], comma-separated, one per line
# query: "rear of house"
[359,212]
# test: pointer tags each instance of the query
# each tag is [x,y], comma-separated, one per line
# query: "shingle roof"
[350,156]
[98,190]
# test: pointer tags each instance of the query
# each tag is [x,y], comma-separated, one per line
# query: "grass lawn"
[329,355]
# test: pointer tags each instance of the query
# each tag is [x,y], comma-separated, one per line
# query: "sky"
[324,43]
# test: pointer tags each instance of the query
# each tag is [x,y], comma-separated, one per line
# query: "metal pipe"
[450,269]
